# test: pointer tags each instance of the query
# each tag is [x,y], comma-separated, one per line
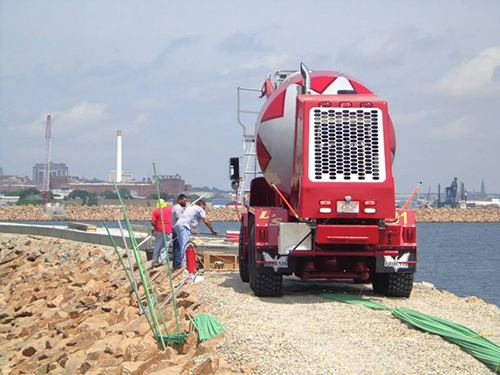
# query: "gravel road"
[304,334]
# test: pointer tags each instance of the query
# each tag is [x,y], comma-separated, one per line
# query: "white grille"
[346,145]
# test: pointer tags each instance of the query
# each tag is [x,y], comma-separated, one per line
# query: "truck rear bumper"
[347,234]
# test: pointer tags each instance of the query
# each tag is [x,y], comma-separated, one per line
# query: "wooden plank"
[82,226]
[220,261]
[141,229]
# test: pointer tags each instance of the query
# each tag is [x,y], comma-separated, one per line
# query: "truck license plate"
[347,207]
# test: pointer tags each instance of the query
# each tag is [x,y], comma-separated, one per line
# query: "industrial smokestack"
[119,156]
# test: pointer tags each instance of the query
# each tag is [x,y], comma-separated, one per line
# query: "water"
[463,258]
[221,202]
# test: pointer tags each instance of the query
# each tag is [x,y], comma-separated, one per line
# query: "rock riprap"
[67,308]
[143,213]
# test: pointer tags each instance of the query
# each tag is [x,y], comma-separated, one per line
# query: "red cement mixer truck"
[325,206]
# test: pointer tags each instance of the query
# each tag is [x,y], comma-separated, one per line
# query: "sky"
[166,74]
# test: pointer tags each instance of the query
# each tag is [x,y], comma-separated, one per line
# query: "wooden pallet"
[217,261]
[82,226]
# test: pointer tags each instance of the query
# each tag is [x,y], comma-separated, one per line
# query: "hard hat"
[161,204]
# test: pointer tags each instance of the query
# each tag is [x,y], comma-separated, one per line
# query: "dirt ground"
[305,334]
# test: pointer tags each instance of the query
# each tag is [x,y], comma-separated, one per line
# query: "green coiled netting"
[207,326]
[468,340]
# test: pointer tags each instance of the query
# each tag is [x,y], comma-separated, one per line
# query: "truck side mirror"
[234,169]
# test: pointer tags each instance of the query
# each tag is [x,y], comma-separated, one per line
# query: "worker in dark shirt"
[160,247]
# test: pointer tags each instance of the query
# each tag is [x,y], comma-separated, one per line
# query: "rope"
[468,340]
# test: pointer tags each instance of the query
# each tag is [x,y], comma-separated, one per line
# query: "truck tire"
[393,284]
[244,272]
[263,284]
[268,284]
[378,283]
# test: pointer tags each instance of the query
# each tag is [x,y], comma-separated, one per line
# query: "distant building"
[168,184]
[14,183]
[59,182]
[126,176]
[1,170]
[56,170]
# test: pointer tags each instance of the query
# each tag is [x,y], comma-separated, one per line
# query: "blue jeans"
[183,234]
[160,248]
[176,252]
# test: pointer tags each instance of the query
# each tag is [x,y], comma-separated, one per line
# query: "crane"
[46,170]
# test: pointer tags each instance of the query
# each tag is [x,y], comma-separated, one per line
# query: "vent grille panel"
[346,145]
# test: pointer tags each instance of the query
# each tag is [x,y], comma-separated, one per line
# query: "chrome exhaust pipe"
[306,77]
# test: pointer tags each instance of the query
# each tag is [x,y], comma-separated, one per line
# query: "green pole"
[144,279]
[136,291]
[172,292]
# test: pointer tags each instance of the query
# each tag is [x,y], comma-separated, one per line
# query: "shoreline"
[347,338]
[224,214]
[99,325]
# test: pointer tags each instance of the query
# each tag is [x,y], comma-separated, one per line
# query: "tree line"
[33,196]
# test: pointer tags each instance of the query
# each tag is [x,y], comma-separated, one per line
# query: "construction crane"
[46,169]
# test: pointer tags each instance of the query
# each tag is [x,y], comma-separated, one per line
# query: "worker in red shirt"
[158,231]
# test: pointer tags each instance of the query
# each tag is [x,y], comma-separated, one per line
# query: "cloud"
[457,129]
[404,118]
[173,46]
[148,104]
[243,42]
[382,48]
[184,41]
[268,62]
[473,76]
[73,121]
[142,119]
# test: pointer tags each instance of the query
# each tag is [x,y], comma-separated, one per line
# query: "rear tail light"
[325,210]
[370,210]
[325,203]
[262,236]
[370,203]
[409,235]
[366,104]
[345,104]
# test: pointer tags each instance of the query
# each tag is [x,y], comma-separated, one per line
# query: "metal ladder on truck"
[250,167]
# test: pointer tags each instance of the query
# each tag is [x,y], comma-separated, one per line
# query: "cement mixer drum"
[275,130]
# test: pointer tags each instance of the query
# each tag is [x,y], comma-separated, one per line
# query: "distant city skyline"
[482,184]
[170,85]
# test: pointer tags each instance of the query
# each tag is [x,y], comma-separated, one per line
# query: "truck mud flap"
[271,261]
[405,262]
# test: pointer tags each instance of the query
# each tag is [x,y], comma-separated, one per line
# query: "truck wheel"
[378,283]
[244,273]
[268,284]
[393,284]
